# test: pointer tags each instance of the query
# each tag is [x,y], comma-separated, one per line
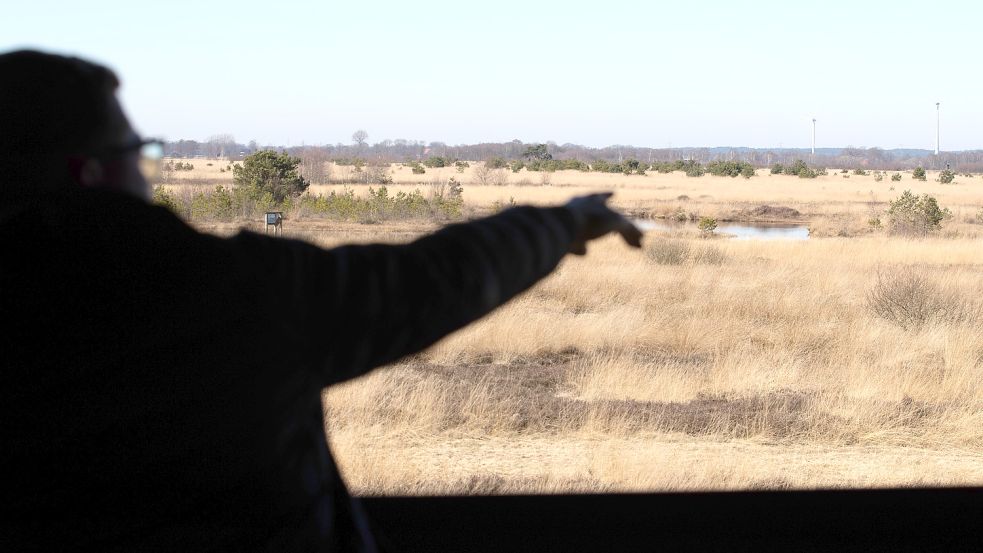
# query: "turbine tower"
[937,135]
[813,136]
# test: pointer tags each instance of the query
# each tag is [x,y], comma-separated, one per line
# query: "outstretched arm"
[358,307]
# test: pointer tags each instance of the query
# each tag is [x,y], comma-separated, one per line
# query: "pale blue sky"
[691,73]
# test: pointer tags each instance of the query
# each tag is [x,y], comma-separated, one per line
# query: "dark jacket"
[161,388]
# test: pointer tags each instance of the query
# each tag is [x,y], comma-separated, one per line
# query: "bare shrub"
[378,174]
[486,175]
[668,251]
[910,299]
[436,190]
[482,174]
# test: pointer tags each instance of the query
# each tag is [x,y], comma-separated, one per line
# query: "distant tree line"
[401,150]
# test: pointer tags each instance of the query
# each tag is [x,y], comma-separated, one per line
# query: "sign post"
[274,219]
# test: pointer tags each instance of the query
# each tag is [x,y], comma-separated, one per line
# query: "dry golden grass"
[765,370]
[619,374]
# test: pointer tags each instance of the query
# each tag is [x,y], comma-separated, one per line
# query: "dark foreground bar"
[847,520]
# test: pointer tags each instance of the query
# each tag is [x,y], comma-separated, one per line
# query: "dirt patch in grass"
[532,395]
[535,395]
[779,415]
[767,214]
[522,396]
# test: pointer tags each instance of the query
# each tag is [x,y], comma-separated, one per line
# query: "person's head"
[62,126]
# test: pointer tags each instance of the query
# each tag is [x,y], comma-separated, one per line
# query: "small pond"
[739,231]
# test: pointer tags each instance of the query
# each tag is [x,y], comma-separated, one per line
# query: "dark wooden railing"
[949,519]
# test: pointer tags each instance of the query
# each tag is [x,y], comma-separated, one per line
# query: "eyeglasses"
[151,152]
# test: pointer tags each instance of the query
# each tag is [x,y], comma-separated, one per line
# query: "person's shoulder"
[78,207]
[105,222]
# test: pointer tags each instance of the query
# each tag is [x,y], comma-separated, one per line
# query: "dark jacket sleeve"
[354,308]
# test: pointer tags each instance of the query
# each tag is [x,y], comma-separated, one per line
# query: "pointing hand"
[595,219]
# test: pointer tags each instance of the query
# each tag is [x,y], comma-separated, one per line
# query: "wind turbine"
[813,136]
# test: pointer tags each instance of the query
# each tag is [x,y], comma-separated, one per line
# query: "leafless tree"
[314,165]
[222,145]
[359,137]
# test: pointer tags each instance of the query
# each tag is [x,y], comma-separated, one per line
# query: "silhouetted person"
[161,388]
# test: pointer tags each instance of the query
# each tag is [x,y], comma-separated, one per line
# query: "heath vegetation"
[853,358]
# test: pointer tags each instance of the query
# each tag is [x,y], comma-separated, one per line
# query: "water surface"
[739,231]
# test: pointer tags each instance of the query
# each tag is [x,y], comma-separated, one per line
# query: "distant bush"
[268,171]
[979,216]
[693,168]
[517,166]
[379,205]
[896,177]
[417,168]
[946,176]
[916,215]
[796,167]
[499,205]
[601,166]
[224,204]
[668,166]
[878,177]
[707,225]
[576,164]
[668,251]
[219,204]
[918,174]
[179,166]
[435,162]
[164,198]
[806,173]
[496,163]
[860,172]
[537,165]
[461,166]
[630,166]
[572,165]
[730,168]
